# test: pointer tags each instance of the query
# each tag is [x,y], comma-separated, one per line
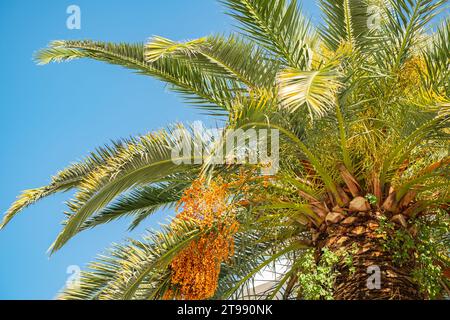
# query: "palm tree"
[359,206]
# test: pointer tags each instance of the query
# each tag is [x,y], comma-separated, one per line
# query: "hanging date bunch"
[195,270]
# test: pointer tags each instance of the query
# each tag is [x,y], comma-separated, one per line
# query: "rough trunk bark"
[375,276]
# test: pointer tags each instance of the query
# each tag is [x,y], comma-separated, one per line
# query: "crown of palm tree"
[362,110]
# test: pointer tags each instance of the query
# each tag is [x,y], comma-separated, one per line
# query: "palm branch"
[363,171]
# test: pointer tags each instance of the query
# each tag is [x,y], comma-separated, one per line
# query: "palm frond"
[135,270]
[202,89]
[231,56]
[139,204]
[314,89]
[66,179]
[346,21]
[431,130]
[159,47]
[150,160]
[437,60]
[378,101]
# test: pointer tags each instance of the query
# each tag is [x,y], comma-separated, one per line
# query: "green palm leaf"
[198,87]
[139,204]
[136,269]
[231,56]
[69,178]
[378,106]
[346,21]
[147,161]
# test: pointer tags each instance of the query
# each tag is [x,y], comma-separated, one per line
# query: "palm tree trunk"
[374,275]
